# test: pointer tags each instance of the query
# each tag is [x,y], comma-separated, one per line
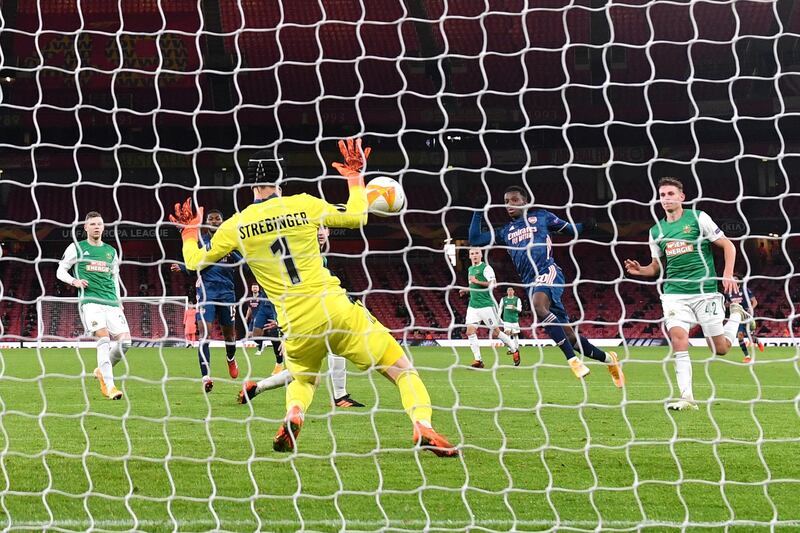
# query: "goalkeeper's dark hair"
[217,211]
[92,214]
[265,167]
[521,190]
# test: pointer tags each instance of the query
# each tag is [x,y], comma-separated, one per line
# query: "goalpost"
[131,106]
[152,320]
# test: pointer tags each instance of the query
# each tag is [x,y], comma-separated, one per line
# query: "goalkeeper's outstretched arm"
[355,211]
[222,243]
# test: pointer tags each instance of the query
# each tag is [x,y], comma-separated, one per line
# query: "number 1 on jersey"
[281,247]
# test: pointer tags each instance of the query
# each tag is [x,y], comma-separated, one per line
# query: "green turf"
[539,448]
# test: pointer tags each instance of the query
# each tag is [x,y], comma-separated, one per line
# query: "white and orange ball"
[385,196]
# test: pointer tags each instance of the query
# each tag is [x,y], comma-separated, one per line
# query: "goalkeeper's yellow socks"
[414,396]
[299,393]
[417,404]
[298,397]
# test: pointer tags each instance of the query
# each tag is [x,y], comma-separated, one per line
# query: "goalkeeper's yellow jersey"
[278,239]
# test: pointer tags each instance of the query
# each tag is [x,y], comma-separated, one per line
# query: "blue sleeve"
[183,268]
[557,225]
[239,258]
[482,238]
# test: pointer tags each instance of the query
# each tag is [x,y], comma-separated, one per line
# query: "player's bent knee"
[722,346]
[679,338]
[407,372]
[400,366]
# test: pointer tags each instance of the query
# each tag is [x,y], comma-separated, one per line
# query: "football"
[385,196]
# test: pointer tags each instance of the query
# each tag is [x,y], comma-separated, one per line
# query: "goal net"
[128,107]
[150,320]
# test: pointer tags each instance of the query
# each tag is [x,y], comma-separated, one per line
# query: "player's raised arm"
[189,222]
[478,237]
[355,212]
[557,225]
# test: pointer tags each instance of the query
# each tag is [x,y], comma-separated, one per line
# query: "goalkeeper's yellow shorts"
[350,332]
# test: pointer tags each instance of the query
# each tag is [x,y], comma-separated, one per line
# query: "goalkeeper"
[278,238]
[96,267]
[280,377]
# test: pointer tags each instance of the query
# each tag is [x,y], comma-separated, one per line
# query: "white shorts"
[513,327]
[482,315]
[686,310]
[99,316]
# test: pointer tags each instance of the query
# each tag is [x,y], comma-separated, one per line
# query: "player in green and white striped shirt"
[96,268]
[482,308]
[681,243]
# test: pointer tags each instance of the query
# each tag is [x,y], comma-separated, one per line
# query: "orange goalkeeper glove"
[354,160]
[188,221]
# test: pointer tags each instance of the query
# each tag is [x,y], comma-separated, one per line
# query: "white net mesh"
[149,319]
[129,107]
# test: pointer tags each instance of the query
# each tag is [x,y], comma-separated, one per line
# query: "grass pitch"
[540,449]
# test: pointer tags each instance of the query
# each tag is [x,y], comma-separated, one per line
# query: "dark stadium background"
[455,108]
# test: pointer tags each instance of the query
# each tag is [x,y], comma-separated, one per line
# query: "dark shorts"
[264,313]
[225,314]
[552,284]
